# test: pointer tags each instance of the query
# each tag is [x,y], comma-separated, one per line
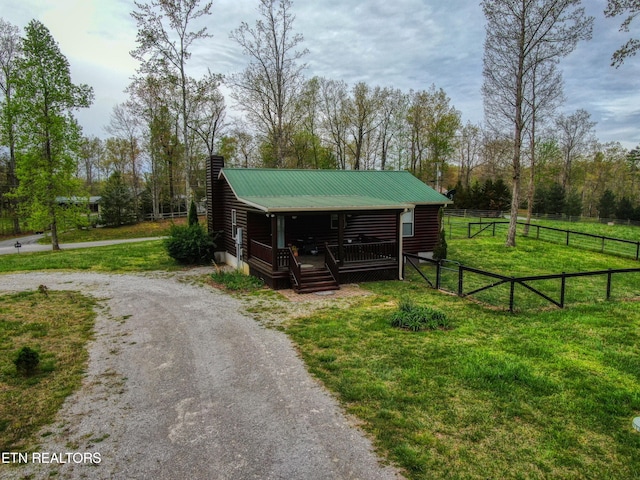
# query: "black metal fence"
[527,291]
[589,241]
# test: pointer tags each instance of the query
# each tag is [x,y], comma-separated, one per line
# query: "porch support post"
[341,218]
[399,242]
[274,243]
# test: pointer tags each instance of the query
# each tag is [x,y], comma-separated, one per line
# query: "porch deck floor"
[315,261]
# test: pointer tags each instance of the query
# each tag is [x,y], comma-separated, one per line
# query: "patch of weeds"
[410,316]
[237,281]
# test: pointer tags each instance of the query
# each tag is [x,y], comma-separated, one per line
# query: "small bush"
[193,214]
[190,244]
[27,361]
[412,317]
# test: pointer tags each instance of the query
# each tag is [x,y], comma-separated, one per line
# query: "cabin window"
[234,224]
[407,223]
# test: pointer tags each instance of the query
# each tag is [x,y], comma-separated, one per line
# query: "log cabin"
[312,230]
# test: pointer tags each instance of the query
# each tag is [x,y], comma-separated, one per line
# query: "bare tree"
[362,111]
[392,108]
[207,110]
[125,126]
[544,94]
[334,100]
[469,151]
[575,134]
[621,7]
[267,89]
[515,32]
[164,40]
[91,150]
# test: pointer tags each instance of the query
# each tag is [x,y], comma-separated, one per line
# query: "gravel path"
[181,385]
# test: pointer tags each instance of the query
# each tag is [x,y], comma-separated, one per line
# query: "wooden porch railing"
[264,252]
[331,263]
[260,251]
[295,268]
[365,252]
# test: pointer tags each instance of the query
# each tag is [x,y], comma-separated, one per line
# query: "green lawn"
[58,326]
[139,230]
[546,393]
[131,257]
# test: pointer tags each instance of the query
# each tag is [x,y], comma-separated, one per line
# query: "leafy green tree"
[540,199]
[573,204]
[117,206]
[555,199]
[10,51]
[49,138]
[164,41]
[625,210]
[607,204]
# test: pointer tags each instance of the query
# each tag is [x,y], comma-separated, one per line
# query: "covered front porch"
[320,251]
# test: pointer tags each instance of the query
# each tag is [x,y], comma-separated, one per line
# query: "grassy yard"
[547,393]
[139,230]
[57,325]
[544,393]
[458,227]
[131,257]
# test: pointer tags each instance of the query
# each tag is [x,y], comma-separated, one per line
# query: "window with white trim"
[407,223]
[234,224]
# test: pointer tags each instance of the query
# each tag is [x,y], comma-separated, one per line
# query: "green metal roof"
[280,190]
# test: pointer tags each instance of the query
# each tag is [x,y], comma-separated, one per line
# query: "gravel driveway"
[181,385]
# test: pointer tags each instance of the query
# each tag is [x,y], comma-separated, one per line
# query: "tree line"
[153,160]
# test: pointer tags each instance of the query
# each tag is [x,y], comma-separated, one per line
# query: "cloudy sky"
[406,44]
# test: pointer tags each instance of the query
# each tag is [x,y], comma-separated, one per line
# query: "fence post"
[567,238]
[460,270]
[438,275]
[563,284]
[511,295]
[494,229]
[609,284]
[469,230]
[638,251]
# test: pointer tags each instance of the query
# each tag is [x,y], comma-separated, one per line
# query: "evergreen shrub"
[190,244]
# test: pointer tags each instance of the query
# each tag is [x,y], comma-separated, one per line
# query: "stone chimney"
[214,195]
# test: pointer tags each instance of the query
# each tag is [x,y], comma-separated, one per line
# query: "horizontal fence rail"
[471,213]
[460,285]
[603,244]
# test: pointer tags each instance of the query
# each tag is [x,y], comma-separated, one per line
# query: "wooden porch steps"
[315,280]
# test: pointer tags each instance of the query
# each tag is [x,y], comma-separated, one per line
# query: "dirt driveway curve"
[181,385]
